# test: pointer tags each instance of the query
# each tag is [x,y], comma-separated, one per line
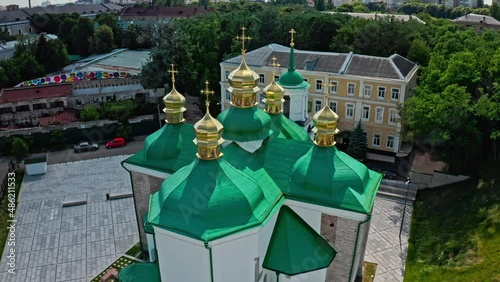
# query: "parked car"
[117,142]
[85,146]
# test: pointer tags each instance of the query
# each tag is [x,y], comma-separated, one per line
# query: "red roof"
[18,94]
[65,117]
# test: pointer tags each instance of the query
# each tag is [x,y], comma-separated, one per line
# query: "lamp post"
[404,209]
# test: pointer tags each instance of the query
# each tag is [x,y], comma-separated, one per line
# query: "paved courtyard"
[383,245]
[72,243]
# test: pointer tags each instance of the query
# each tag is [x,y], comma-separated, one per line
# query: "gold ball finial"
[243,38]
[292,32]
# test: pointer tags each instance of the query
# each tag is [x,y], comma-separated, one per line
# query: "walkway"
[72,243]
[383,245]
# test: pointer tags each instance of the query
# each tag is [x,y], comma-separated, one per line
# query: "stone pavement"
[72,243]
[383,245]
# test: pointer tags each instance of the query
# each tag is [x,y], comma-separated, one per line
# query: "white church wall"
[312,217]
[181,258]
[313,276]
[236,258]
[151,247]
[265,236]
[297,105]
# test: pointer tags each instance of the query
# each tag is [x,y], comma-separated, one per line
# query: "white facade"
[298,102]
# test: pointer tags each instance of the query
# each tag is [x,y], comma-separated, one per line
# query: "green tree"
[102,41]
[89,113]
[357,143]
[319,5]
[419,52]
[82,31]
[20,148]
[111,20]
[28,67]
[124,130]
[58,139]
[495,10]
[51,54]
[66,35]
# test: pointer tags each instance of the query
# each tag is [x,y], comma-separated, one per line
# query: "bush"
[89,113]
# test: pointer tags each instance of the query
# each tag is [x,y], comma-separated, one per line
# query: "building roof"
[87,9]
[120,60]
[232,201]
[245,124]
[292,241]
[18,94]
[282,127]
[477,19]
[14,16]
[322,176]
[163,12]
[65,117]
[393,67]
[374,16]
[140,271]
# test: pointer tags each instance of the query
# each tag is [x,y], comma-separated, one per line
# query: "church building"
[248,196]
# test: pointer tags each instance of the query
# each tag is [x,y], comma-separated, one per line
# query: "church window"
[379,115]
[351,88]
[381,92]
[376,139]
[395,94]
[334,87]
[366,113]
[318,105]
[368,91]
[262,79]
[319,84]
[333,106]
[276,78]
[390,142]
[349,110]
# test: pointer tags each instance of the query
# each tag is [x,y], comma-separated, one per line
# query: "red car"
[117,142]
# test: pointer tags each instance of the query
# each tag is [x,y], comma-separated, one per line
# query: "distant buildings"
[478,22]
[397,3]
[374,16]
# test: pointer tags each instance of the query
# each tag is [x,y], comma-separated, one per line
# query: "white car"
[85,146]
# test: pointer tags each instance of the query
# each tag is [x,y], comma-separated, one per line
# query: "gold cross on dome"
[292,32]
[172,71]
[328,88]
[243,38]
[274,64]
[207,93]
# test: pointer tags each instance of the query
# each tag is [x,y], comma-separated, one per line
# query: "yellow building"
[365,88]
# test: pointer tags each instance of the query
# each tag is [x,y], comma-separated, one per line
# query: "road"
[69,155]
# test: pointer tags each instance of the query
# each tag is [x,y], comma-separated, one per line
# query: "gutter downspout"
[356,244]
[277,277]
[211,261]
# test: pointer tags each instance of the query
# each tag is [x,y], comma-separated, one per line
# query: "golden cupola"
[208,132]
[243,81]
[325,124]
[274,94]
[174,102]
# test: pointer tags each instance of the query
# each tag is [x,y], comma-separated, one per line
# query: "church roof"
[292,241]
[245,124]
[141,271]
[167,149]
[210,199]
[393,67]
[282,127]
[321,175]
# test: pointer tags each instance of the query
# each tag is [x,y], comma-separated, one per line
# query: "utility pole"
[29,4]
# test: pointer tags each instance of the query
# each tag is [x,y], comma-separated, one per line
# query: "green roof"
[245,124]
[321,175]
[142,271]
[294,242]
[168,149]
[292,77]
[282,127]
[207,200]
[147,227]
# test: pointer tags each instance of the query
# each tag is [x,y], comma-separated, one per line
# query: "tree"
[111,20]
[89,113]
[58,139]
[102,41]
[124,130]
[28,67]
[65,33]
[51,54]
[419,52]
[82,31]
[20,148]
[319,5]
[357,143]
[495,10]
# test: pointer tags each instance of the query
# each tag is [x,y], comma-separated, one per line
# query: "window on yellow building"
[390,142]
[368,91]
[333,106]
[379,115]
[351,88]
[334,87]
[393,116]
[381,92]
[376,139]
[262,79]
[349,110]
[395,94]
[228,95]
[318,105]
[366,113]
[319,84]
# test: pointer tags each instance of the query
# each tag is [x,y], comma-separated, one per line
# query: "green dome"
[291,78]
[207,200]
[140,271]
[165,143]
[282,127]
[245,124]
[328,177]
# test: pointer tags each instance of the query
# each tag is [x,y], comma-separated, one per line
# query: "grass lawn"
[4,213]
[455,233]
